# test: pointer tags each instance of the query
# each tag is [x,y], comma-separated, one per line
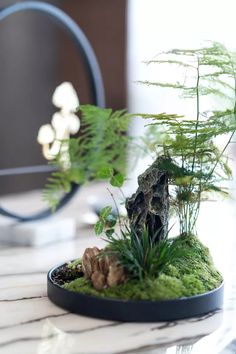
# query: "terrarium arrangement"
[143,274]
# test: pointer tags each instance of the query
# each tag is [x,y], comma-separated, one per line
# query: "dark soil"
[64,275]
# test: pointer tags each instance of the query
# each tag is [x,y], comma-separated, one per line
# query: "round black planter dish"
[134,310]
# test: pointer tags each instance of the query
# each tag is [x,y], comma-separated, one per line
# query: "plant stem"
[116,206]
[198,113]
[232,134]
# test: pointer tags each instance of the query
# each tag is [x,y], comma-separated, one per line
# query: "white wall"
[157,25]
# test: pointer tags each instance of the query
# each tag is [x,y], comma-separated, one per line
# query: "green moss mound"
[194,274]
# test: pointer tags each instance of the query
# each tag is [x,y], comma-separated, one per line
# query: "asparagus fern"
[194,163]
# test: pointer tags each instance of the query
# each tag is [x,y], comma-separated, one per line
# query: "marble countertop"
[31,324]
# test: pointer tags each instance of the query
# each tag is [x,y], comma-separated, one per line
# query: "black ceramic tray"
[134,310]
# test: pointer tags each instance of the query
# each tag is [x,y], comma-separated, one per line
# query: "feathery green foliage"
[194,163]
[98,152]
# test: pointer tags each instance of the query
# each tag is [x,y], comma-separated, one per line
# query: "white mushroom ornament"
[53,137]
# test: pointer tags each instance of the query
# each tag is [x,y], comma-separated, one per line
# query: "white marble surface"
[31,324]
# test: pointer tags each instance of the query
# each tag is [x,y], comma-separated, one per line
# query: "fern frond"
[102,144]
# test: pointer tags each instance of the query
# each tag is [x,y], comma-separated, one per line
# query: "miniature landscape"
[178,279]
[141,261]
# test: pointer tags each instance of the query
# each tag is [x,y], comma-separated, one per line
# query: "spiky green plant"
[141,256]
[195,165]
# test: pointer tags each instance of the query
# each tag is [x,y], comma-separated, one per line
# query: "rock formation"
[149,206]
[102,269]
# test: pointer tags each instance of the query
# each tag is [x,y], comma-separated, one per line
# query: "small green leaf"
[105,172]
[99,226]
[110,232]
[117,180]
[105,212]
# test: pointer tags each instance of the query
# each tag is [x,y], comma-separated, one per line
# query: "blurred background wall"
[35,56]
[155,26]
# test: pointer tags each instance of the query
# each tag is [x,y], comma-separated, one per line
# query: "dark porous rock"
[149,206]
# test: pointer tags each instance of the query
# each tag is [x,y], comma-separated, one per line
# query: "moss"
[75,264]
[193,275]
[192,285]
[163,287]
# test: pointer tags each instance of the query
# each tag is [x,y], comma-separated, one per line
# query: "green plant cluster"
[193,275]
[194,163]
